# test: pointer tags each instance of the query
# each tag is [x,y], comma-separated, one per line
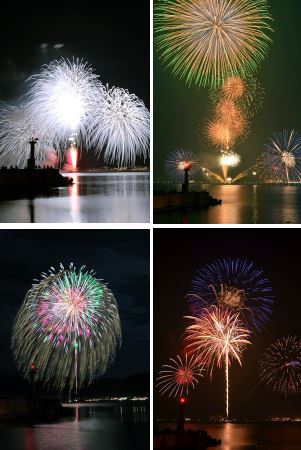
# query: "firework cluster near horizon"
[221,45]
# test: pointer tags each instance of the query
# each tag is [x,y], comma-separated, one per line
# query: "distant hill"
[138,384]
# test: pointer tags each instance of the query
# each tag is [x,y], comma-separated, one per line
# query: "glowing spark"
[230,160]
[206,41]
[179,375]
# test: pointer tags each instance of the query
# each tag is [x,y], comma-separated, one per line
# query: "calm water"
[264,436]
[94,428]
[245,204]
[96,198]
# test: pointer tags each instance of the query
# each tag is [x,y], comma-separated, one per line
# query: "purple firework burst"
[236,284]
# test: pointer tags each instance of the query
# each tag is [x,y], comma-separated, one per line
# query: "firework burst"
[60,97]
[280,366]
[178,162]
[217,337]
[247,94]
[179,375]
[281,161]
[206,41]
[69,327]
[120,126]
[237,285]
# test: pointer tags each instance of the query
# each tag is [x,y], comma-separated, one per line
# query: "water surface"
[242,204]
[93,198]
[90,428]
[263,436]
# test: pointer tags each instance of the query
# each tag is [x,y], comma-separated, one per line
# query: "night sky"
[112,38]
[179,110]
[178,254]
[119,257]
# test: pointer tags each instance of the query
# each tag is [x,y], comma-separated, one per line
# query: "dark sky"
[112,37]
[178,254]
[179,110]
[119,257]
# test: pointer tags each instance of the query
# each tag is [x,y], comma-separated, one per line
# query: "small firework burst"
[280,366]
[179,375]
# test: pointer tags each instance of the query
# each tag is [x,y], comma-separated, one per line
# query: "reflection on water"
[264,436]
[94,198]
[114,427]
[245,204]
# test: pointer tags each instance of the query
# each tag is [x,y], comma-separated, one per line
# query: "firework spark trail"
[120,126]
[179,161]
[69,326]
[179,375]
[237,285]
[217,337]
[281,161]
[206,41]
[280,366]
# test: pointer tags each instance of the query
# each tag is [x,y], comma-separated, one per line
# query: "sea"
[93,198]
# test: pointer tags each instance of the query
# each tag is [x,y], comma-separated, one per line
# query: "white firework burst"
[281,161]
[61,96]
[120,126]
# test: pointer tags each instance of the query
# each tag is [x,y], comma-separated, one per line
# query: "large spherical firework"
[121,126]
[17,128]
[206,41]
[179,375]
[280,366]
[281,161]
[69,327]
[236,284]
[178,162]
[217,337]
[61,96]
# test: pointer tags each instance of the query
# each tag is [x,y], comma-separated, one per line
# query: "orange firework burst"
[220,134]
[229,125]
[218,337]
[233,88]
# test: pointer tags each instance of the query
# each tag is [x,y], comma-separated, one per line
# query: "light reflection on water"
[242,204]
[90,428]
[259,436]
[94,198]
